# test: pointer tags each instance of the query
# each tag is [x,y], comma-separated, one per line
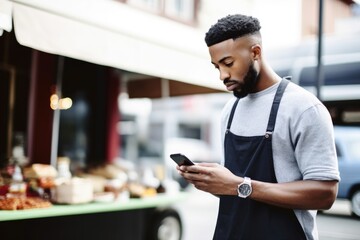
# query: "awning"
[113,34]
[156,88]
[5,16]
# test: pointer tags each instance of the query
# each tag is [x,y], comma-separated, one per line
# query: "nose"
[224,75]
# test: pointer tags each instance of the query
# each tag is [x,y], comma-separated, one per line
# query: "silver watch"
[244,189]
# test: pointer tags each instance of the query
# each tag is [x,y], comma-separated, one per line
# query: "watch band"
[247,180]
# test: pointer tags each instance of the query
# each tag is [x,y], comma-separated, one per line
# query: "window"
[338,151]
[189,131]
[153,5]
[181,10]
[353,148]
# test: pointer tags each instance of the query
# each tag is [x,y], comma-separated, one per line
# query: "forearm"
[307,194]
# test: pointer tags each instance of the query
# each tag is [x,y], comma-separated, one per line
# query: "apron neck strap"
[232,115]
[275,106]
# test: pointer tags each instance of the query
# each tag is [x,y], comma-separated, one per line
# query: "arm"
[307,194]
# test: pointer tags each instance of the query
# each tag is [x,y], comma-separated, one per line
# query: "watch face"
[245,189]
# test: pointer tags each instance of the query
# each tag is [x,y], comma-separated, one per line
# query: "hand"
[211,177]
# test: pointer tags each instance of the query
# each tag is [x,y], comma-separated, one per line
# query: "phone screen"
[181,159]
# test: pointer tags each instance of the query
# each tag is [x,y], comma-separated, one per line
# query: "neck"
[267,77]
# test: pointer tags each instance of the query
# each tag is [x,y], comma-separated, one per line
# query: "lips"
[231,85]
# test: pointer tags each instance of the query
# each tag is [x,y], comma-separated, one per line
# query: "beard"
[250,81]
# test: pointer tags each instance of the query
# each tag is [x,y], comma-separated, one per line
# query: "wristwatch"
[244,189]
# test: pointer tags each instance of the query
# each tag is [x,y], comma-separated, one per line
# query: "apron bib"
[252,157]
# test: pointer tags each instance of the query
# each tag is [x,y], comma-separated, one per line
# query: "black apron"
[252,157]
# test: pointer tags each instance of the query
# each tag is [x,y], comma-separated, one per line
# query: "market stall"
[132,219]
[103,203]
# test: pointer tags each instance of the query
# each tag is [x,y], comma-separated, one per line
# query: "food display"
[20,203]
[38,170]
[73,191]
[42,185]
[17,189]
[40,179]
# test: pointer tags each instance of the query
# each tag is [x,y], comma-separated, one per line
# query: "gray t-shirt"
[303,140]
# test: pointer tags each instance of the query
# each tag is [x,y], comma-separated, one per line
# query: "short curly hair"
[231,26]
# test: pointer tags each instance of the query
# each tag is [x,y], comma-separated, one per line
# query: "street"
[337,223]
[199,211]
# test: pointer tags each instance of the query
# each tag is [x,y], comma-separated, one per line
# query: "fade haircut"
[231,26]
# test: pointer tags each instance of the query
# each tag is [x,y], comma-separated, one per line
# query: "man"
[274,176]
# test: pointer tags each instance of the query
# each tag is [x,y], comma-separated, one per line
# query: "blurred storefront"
[57,48]
[63,66]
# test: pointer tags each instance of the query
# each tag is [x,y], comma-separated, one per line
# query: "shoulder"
[303,114]
[296,101]
[294,92]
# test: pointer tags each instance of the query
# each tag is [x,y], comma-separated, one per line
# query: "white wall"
[280,19]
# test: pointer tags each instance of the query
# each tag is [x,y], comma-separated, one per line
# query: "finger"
[196,169]
[207,164]
[196,177]
[201,186]
[187,169]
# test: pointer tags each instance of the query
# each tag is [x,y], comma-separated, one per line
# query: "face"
[235,62]
[249,83]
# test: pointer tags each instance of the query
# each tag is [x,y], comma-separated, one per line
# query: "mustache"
[226,81]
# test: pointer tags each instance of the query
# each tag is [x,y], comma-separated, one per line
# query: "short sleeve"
[314,144]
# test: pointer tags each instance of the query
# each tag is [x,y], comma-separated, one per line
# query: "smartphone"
[181,159]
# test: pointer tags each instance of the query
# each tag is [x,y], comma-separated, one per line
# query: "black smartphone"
[181,159]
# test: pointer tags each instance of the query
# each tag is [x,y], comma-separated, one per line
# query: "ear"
[256,52]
